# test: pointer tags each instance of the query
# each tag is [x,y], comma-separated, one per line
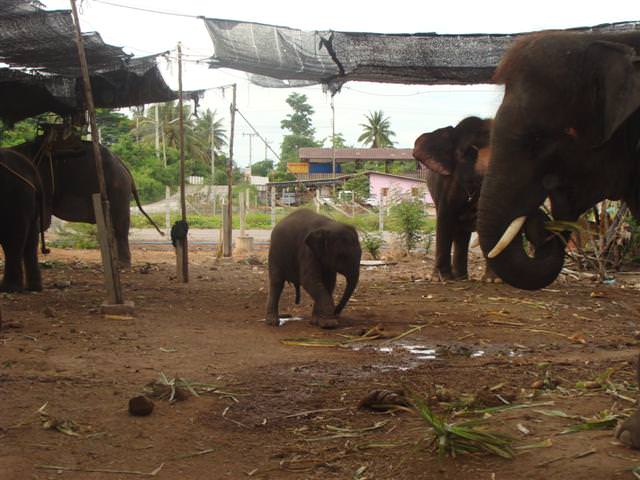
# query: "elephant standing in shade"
[309,249]
[69,180]
[457,159]
[20,215]
[568,129]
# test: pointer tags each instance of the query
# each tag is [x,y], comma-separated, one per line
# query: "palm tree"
[209,127]
[169,126]
[377,131]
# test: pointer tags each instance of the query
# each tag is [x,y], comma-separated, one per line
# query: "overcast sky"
[412,109]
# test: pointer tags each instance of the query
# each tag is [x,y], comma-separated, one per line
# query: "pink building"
[396,187]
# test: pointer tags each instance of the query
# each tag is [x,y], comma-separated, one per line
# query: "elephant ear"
[617,88]
[435,150]
[316,240]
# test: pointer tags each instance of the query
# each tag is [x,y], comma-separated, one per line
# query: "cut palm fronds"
[543,444]
[174,389]
[310,342]
[602,421]
[464,437]
[502,408]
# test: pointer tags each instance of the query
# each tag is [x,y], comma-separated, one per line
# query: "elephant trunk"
[352,282]
[513,264]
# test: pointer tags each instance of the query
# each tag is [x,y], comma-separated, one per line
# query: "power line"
[258,134]
[149,10]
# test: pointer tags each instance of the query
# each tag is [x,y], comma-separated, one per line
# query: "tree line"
[148,142]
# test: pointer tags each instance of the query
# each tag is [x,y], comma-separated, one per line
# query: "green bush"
[408,217]
[76,235]
[372,242]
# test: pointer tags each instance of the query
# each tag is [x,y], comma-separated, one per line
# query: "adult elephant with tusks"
[20,214]
[69,180]
[457,159]
[568,129]
[309,249]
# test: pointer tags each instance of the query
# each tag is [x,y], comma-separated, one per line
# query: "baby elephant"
[309,249]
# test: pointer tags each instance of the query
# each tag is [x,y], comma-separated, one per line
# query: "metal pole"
[251,135]
[213,154]
[333,144]
[182,250]
[109,253]
[273,206]
[228,226]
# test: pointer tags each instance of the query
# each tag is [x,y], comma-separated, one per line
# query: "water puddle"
[284,320]
[411,355]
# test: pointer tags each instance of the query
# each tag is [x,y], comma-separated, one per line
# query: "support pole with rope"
[115,302]
[181,227]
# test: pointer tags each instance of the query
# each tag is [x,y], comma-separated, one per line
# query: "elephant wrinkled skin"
[309,249]
[457,159]
[69,180]
[568,129]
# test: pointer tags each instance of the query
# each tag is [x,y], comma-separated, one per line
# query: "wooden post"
[225,219]
[381,213]
[273,206]
[318,199]
[243,213]
[228,228]
[103,214]
[182,250]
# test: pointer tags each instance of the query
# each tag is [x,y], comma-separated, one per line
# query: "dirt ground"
[271,407]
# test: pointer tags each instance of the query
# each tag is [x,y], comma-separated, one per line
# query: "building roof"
[325,155]
[319,181]
[394,175]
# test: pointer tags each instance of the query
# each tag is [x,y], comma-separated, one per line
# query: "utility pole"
[226,250]
[182,251]
[333,145]
[213,153]
[250,135]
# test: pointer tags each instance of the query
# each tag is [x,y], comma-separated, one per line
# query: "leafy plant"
[76,235]
[372,243]
[464,437]
[410,219]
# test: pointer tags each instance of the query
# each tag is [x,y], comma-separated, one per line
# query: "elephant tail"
[134,191]
[297,285]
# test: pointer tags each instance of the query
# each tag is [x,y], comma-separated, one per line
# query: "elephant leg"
[461,254]
[323,307]
[122,245]
[13,272]
[121,221]
[489,275]
[444,239]
[329,281]
[30,256]
[276,285]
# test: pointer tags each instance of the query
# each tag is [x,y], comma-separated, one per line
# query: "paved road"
[196,235]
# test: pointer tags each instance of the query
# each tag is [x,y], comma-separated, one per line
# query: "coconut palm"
[209,127]
[169,126]
[376,131]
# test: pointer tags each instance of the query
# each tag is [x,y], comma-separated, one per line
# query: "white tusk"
[475,242]
[507,236]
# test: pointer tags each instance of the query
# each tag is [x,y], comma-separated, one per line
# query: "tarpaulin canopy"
[283,56]
[43,71]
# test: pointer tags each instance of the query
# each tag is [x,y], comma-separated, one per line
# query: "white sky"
[412,109]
